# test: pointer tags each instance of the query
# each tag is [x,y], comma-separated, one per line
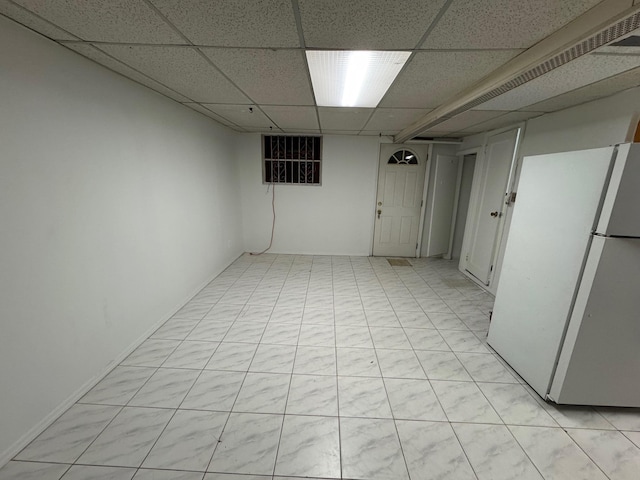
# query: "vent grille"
[598,40]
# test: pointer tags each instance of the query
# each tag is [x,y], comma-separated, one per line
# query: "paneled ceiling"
[242,62]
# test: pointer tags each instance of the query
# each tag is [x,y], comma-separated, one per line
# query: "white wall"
[335,218]
[116,205]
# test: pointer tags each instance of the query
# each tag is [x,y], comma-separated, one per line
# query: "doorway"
[399,200]
[488,205]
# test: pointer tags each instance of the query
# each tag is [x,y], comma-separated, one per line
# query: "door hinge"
[416,246]
[491,269]
[511,198]
[421,203]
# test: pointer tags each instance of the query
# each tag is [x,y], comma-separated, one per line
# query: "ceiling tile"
[603,88]
[230,23]
[246,116]
[199,108]
[433,77]
[464,120]
[296,118]
[338,118]
[275,77]
[123,21]
[578,73]
[366,24]
[395,118]
[102,58]
[505,120]
[434,134]
[340,132]
[502,23]
[382,133]
[181,68]
[29,20]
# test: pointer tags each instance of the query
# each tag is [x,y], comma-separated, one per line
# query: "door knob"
[494,214]
[379,212]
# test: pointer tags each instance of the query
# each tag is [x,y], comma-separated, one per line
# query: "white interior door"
[488,204]
[442,200]
[399,199]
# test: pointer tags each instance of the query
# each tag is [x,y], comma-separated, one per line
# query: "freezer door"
[553,217]
[620,215]
[600,359]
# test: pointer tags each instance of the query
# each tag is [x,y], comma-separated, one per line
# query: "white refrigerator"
[567,309]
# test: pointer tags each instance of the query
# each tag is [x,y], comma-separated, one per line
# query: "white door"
[488,204]
[399,199]
[442,202]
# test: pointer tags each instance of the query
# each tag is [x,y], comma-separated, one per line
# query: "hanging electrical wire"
[273,223]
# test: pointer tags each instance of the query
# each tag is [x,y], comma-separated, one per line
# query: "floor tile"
[315,360]
[354,318]
[191,354]
[348,336]
[317,335]
[634,437]
[193,311]
[395,338]
[188,441]
[426,339]
[494,453]
[615,454]
[515,405]
[175,329]
[248,444]
[572,416]
[413,400]
[363,397]
[371,450]
[414,320]
[128,439]
[442,366]
[263,393]
[15,470]
[66,439]
[232,356]
[313,395]
[81,472]
[382,318]
[273,359]
[399,364]
[287,314]
[358,362]
[447,321]
[555,454]
[151,353]
[214,390]
[119,386]
[463,341]
[318,316]
[245,332]
[166,475]
[622,418]
[464,402]
[484,367]
[165,389]
[209,331]
[281,334]
[432,451]
[309,446]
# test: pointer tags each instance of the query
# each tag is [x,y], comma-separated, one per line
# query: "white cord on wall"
[273,224]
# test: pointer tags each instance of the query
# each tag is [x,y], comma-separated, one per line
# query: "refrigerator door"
[619,216]
[554,214]
[600,359]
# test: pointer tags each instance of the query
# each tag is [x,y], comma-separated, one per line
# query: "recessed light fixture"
[353,78]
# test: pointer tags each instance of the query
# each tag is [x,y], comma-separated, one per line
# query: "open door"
[399,200]
[488,205]
[442,200]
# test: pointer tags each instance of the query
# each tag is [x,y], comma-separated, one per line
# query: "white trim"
[423,207]
[42,425]
[456,201]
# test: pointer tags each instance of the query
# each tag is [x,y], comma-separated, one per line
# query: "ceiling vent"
[619,29]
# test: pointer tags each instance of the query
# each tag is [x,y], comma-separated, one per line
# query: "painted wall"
[116,206]
[335,218]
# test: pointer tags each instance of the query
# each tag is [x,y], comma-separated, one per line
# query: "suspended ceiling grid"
[242,62]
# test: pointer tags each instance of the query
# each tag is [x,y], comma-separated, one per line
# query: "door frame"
[504,221]
[423,205]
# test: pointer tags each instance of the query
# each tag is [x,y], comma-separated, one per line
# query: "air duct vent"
[619,29]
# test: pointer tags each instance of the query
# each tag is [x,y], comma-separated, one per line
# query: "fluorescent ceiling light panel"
[353,78]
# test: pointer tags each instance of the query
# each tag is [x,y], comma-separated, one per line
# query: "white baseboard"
[40,427]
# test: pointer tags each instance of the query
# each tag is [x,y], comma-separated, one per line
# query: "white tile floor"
[327,367]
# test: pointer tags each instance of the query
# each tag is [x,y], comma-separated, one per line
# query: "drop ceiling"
[243,63]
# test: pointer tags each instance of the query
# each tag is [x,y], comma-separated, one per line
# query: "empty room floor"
[291,366]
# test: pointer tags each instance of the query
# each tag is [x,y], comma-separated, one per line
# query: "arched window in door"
[403,157]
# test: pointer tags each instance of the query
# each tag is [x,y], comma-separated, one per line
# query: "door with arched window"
[399,198]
